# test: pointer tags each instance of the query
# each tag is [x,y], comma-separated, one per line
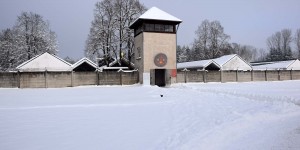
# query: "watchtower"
[155,47]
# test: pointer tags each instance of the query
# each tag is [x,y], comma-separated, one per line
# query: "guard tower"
[155,47]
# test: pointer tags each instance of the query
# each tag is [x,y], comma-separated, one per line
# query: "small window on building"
[159,27]
[169,28]
[138,30]
[155,28]
[149,27]
[139,53]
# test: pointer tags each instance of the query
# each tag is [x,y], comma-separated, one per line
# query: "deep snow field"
[194,116]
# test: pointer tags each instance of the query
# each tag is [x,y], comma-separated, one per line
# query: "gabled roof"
[155,13]
[122,63]
[196,64]
[219,62]
[45,62]
[274,65]
[224,59]
[84,60]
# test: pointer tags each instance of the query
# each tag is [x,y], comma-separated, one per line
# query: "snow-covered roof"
[220,62]
[155,13]
[45,62]
[120,62]
[224,59]
[234,64]
[114,68]
[195,64]
[277,65]
[84,60]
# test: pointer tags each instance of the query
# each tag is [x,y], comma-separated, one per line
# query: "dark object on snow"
[161,95]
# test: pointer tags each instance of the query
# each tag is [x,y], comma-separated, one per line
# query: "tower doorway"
[160,77]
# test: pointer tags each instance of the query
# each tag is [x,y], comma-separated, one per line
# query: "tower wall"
[147,46]
[155,43]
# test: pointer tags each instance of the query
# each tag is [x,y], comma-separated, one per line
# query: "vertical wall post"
[278,74]
[120,71]
[266,77]
[121,80]
[45,75]
[291,74]
[72,78]
[205,76]
[138,76]
[237,75]
[221,74]
[19,79]
[252,75]
[97,72]
[185,76]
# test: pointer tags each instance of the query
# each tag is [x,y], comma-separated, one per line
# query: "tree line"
[110,38]
[280,45]
[211,42]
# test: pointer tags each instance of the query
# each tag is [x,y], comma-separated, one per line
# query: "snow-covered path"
[259,115]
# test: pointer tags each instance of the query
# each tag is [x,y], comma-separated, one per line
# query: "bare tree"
[110,35]
[297,42]
[100,39]
[201,42]
[218,39]
[210,41]
[274,45]
[36,34]
[261,55]
[9,50]
[286,43]
[30,36]
[279,45]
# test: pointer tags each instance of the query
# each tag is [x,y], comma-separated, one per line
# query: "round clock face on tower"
[160,60]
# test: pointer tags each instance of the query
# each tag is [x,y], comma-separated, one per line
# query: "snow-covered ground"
[262,115]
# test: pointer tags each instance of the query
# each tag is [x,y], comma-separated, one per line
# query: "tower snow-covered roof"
[155,13]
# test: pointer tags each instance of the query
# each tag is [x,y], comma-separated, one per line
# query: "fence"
[237,76]
[65,79]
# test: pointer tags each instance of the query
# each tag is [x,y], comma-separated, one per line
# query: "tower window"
[169,28]
[159,28]
[152,27]
[149,27]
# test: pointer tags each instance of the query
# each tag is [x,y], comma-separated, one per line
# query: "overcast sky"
[248,22]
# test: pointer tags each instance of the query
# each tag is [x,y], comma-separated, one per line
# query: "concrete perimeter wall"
[65,79]
[70,79]
[9,79]
[236,76]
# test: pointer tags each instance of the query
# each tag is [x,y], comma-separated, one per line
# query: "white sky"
[247,22]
